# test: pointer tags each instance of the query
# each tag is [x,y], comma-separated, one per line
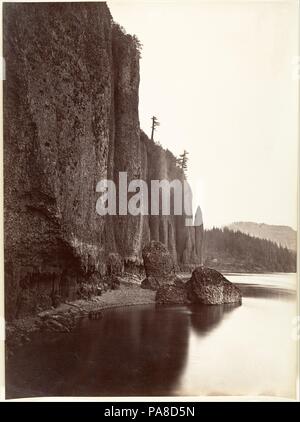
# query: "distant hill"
[233,251]
[282,235]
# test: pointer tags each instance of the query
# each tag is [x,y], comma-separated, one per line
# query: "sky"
[219,77]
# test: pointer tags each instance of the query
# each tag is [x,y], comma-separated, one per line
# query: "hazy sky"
[218,75]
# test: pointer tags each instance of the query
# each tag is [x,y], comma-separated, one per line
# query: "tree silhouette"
[155,123]
[182,161]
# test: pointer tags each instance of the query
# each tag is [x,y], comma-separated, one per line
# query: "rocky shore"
[160,286]
[205,286]
[65,316]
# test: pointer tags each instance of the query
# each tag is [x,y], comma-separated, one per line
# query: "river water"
[246,350]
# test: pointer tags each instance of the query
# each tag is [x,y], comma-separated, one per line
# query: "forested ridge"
[229,250]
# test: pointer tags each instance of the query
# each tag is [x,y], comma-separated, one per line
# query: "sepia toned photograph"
[150,199]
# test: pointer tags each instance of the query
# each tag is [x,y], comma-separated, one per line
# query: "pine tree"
[182,161]
[155,123]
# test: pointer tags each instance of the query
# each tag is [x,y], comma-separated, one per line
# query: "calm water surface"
[170,350]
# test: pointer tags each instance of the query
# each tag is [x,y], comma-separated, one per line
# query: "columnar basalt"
[70,120]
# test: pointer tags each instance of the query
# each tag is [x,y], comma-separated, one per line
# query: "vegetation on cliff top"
[120,31]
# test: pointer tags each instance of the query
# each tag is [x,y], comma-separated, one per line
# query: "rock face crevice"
[70,120]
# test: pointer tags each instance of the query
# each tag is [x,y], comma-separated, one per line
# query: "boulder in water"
[172,294]
[206,286]
[210,287]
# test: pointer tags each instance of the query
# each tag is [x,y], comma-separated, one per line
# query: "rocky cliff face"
[70,120]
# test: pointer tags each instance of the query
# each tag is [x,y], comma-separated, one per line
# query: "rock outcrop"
[114,264]
[206,286]
[210,287]
[70,120]
[159,266]
[171,295]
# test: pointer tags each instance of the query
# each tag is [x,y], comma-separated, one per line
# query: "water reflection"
[205,318]
[260,291]
[163,350]
[136,351]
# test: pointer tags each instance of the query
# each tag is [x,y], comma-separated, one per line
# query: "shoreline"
[65,317]
[19,383]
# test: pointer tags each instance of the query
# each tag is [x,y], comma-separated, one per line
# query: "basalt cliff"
[71,119]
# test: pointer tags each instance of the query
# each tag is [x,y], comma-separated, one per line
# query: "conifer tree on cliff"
[155,123]
[182,161]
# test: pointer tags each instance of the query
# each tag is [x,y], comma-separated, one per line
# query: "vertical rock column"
[127,144]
